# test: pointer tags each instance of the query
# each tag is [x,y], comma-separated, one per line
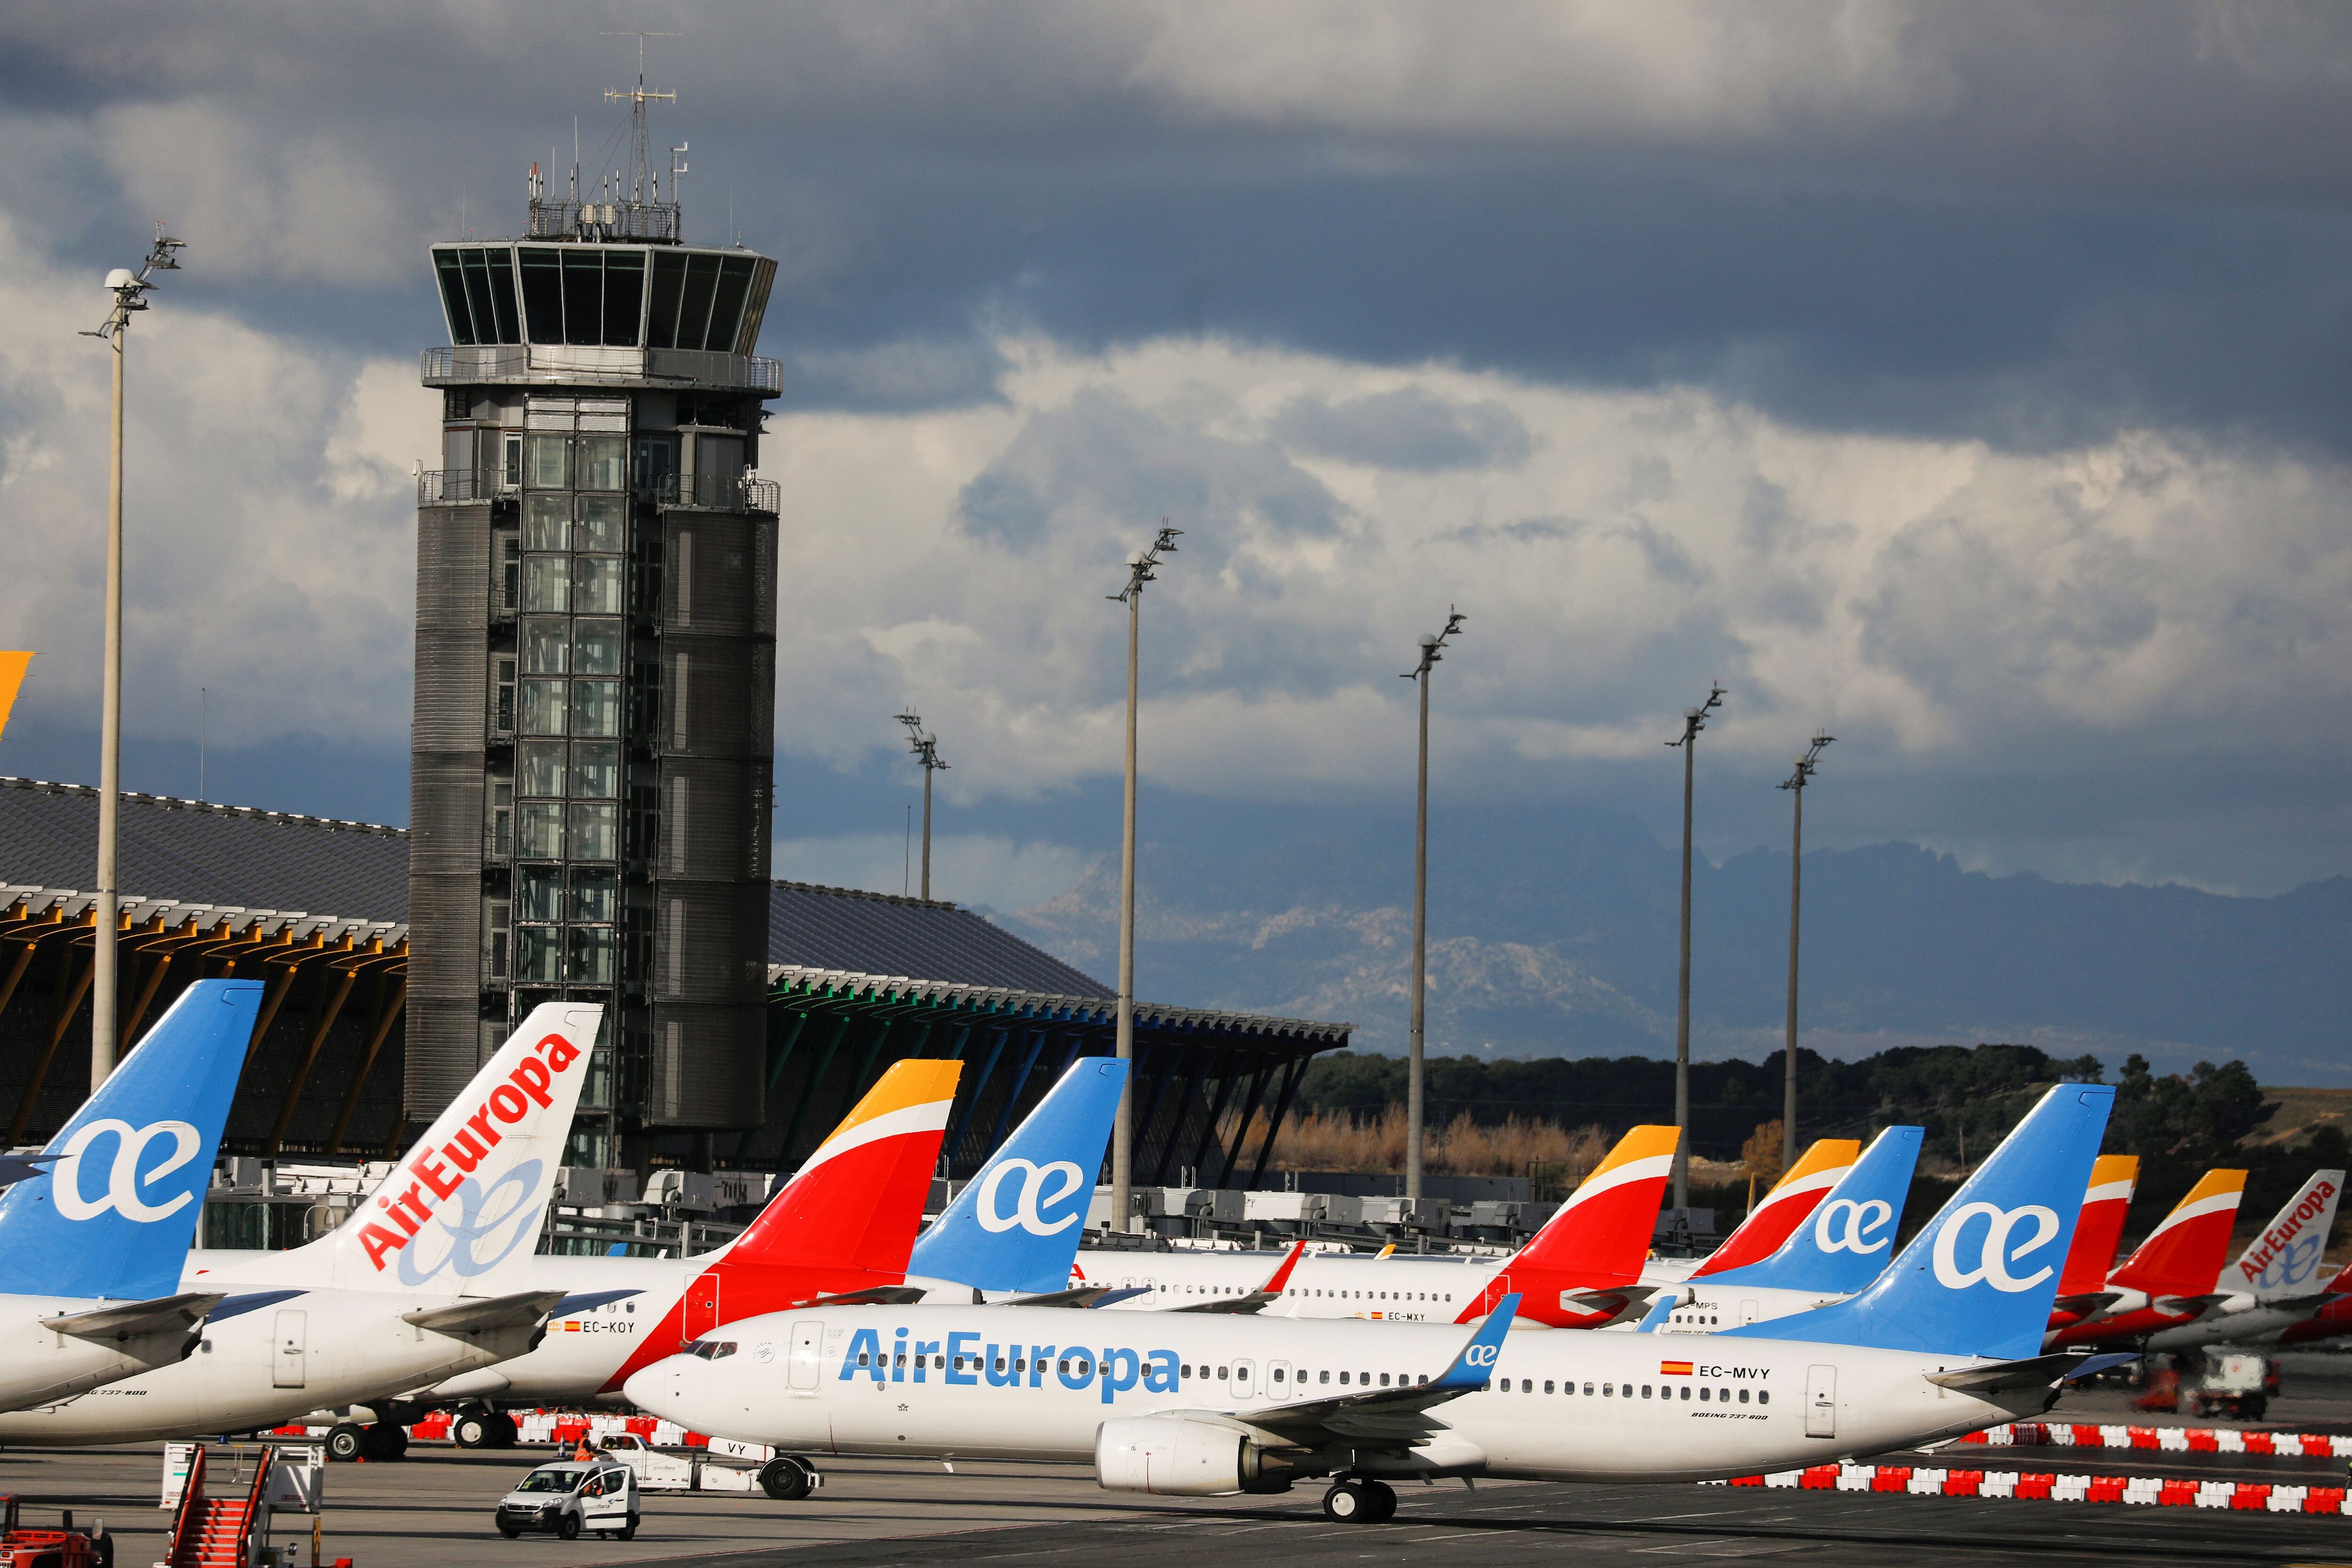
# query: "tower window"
[596,647]
[596,585]
[547,520]
[543,707]
[539,893]
[595,771]
[539,768]
[603,527]
[603,462]
[502,695]
[595,707]
[546,583]
[550,467]
[546,645]
[595,833]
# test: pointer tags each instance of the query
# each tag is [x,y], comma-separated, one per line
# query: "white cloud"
[1936,602]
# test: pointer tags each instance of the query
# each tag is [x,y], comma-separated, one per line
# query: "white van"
[567,1498]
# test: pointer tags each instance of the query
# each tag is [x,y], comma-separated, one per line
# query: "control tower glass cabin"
[596,668]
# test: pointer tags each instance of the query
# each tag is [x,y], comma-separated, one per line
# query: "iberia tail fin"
[2183,1255]
[1596,1242]
[2100,1226]
[1790,1202]
[857,1202]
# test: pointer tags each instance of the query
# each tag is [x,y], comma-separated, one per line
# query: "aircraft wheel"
[1348,1503]
[1382,1498]
[383,1442]
[786,1479]
[500,1430]
[470,1431]
[346,1441]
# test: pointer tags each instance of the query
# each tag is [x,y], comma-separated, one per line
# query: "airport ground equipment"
[1945,1341]
[31,1546]
[568,1498]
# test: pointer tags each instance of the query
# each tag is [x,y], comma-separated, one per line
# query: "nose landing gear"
[1356,1499]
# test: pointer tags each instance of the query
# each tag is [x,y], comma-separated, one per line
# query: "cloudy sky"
[1970,380]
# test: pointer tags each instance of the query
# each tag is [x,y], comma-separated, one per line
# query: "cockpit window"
[711,1350]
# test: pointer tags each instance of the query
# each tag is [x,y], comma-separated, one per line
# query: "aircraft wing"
[1388,1417]
[128,1320]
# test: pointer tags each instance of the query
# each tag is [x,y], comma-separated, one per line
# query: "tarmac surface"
[433,1510]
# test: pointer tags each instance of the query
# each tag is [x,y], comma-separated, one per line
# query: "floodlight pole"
[1416,1100]
[129,290]
[1141,568]
[926,747]
[1694,720]
[1795,783]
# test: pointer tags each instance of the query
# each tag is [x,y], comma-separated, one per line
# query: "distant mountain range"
[1563,943]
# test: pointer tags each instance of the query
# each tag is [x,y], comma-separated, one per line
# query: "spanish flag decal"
[1674,1369]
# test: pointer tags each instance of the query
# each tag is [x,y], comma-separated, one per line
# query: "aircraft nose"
[654,1389]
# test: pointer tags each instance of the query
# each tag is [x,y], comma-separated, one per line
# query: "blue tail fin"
[1846,1241]
[117,1208]
[1980,1279]
[1016,1225]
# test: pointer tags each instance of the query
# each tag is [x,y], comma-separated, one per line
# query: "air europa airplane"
[91,1240]
[1581,1270]
[844,1228]
[1839,1249]
[1945,1341]
[2275,1282]
[427,1280]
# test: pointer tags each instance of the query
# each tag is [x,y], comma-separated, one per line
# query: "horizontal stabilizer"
[471,1315]
[1079,1296]
[588,1302]
[874,1296]
[2036,1372]
[1620,1303]
[2088,1305]
[130,1319]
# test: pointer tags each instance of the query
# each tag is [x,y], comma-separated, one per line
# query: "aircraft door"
[700,1309]
[1820,1402]
[1277,1379]
[1241,1383]
[808,1349]
[287,1349]
[1748,1311]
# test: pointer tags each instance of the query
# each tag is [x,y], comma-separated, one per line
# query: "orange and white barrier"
[1921,1480]
[2166,1439]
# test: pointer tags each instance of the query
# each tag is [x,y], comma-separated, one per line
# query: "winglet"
[1280,1278]
[1475,1367]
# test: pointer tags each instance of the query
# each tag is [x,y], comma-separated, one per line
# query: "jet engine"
[1172,1456]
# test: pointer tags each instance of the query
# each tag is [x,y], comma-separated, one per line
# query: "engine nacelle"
[1173,1457]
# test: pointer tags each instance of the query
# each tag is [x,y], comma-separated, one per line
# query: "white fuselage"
[1398,1288]
[38,1363]
[582,1349]
[1710,1307]
[1010,1389]
[2238,1321]
[315,1349]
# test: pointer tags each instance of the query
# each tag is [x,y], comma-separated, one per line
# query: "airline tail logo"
[1039,1192]
[2287,1253]
[447,1172]
[1994,1253]
[1841,1224]
[124,1180]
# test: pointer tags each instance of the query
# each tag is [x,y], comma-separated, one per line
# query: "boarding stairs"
[216,1533]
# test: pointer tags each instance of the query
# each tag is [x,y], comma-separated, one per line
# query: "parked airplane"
[1947,1341]
[91,1241]
[2275,1283]
[2083,1283]
[429,1280]
[2169,1277]
[844,1226]
[1581,1270]
[1789,1205]
[1848,1240]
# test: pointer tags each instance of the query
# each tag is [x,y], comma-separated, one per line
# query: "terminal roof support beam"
[1290,1082]
[385,1018]
[70,996]
[324,1021]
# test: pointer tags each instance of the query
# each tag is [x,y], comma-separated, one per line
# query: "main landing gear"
[1354,1500]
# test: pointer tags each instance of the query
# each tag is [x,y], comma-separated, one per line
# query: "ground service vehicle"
[564,1499]
[1945,1341]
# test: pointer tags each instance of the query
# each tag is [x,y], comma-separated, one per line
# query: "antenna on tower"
[638,97]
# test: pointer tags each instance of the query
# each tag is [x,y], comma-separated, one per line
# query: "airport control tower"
[595,658]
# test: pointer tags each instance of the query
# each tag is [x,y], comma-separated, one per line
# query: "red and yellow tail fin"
[1789,1205]
[2101,1226]
[1602,1233]
[859,1200]
[2183,1255]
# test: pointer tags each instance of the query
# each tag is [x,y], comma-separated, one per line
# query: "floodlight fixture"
[926,747]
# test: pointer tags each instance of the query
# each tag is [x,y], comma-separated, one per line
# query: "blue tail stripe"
[1849,1237]
[113,1214]
[1979,1280]
[1474,1366]
[1015,1226]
